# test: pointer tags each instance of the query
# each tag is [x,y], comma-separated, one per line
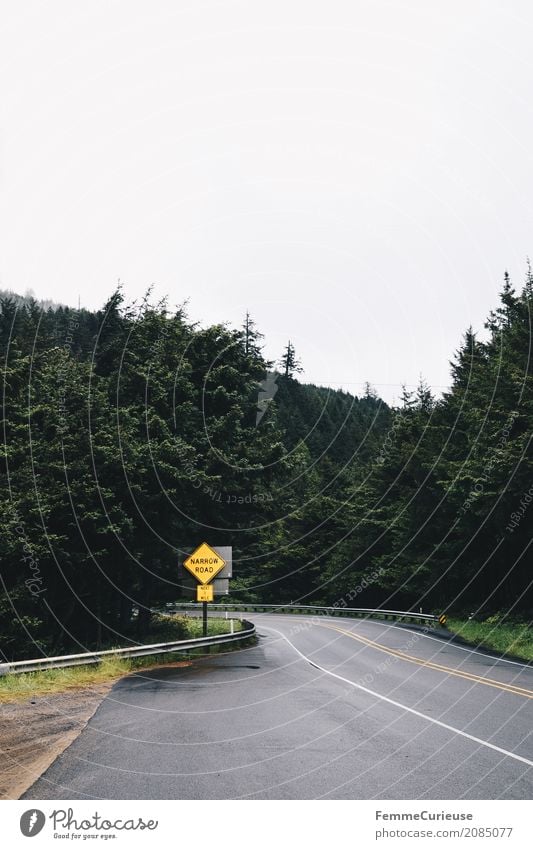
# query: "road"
[329,708]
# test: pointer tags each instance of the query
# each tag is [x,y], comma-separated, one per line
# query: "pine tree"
[425,400]
[251,337]
[406,397]
[289,363]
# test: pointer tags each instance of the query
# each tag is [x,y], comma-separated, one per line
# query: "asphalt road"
[334,708]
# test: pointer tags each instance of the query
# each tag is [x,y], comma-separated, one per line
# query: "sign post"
[204,564]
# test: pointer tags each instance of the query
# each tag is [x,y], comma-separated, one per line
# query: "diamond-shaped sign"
[204,563]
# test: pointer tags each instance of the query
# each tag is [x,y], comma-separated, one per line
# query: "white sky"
[357,174]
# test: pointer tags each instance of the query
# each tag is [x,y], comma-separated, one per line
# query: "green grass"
[496,634]
[165,628]
[214,626]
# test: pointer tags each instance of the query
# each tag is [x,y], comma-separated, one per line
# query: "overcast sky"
[358,175]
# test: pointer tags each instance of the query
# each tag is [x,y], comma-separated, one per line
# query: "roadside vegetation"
[496,633]
[166,628]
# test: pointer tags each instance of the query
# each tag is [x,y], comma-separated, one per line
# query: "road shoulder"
[34,732]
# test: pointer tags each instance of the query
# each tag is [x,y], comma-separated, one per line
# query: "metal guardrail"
[199,642]
[18,666]
[378,613]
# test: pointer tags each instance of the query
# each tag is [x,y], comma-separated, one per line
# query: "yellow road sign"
[442,619]
[205,592]
[204,563]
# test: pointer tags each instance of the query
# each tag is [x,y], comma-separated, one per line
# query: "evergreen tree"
[289,363]
[251,337]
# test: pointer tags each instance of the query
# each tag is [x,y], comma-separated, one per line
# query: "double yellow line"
[468,676]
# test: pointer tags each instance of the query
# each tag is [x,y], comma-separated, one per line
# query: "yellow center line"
[468,676]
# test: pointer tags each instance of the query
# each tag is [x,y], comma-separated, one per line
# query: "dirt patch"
[34,732]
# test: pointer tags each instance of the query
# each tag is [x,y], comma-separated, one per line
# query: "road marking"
[411,710]
[471,650]
[409,658]
[367,621]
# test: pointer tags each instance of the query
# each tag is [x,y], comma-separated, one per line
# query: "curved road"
[319,708]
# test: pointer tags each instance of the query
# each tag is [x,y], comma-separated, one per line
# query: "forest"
[132,434]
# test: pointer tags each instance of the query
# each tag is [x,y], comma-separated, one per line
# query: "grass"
[165,628]
[506,637]
[214,626]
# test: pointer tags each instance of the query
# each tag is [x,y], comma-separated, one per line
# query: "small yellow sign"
[204,563]
[205,592]
[443,619]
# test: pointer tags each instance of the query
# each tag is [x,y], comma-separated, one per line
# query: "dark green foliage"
[442,517]
[130,435]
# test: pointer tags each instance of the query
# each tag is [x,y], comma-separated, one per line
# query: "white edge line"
[406,708]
